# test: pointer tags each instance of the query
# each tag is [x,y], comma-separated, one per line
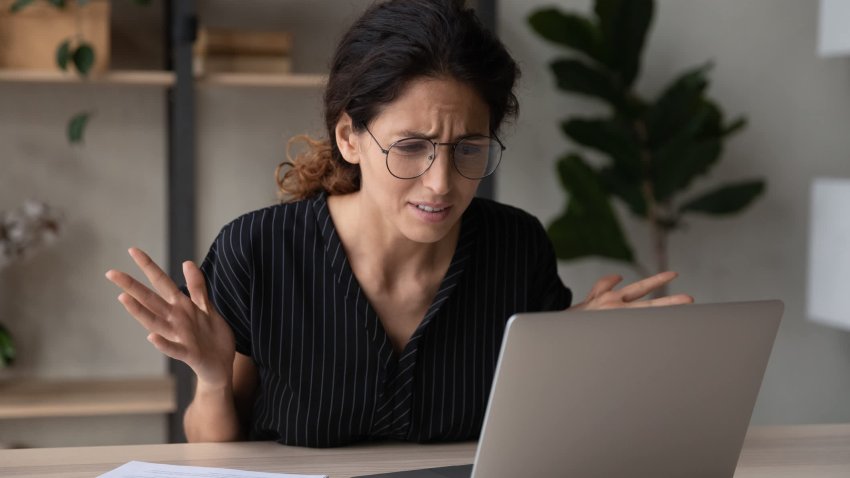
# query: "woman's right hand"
[185,329]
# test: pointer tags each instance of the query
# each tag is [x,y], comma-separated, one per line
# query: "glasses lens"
[477,157]
[410,157]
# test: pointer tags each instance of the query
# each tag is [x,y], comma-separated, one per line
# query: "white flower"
[25,228]
[34,209]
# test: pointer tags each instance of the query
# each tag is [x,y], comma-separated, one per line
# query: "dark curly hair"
[391,44]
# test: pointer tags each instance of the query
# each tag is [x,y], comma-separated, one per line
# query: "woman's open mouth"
[432,213]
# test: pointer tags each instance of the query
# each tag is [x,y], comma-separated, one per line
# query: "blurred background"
[102,155]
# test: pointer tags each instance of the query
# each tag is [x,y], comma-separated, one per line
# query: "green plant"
[74,53]
[652,150]
[7,348]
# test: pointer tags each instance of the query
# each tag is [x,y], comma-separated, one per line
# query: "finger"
[157,277]
[197,285]
[679,299]
[143,315]
[643,287]
[172,349]
[148,298]
[603,285]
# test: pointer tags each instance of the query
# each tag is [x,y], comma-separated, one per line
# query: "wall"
[798,106]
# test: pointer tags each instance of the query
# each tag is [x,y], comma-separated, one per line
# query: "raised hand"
[189,330]
[603,295]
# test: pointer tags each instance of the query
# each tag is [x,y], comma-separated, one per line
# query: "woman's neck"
[379,252]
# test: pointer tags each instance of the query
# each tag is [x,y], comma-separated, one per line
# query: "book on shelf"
[229,41]
[224,50]
[243,64]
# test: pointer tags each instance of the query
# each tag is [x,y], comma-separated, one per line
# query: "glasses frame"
[434,144]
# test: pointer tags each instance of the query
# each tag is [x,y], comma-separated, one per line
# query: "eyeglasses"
[474,157]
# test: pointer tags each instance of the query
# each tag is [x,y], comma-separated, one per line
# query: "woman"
[371,305]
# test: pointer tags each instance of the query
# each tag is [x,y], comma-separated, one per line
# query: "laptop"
[660,392]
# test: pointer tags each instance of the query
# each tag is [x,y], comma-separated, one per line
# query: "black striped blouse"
[328,372]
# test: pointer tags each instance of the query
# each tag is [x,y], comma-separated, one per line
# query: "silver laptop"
[656,392]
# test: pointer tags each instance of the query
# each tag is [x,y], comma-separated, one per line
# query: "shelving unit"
[263,80]
[134,78]
[43,398]
[167,79]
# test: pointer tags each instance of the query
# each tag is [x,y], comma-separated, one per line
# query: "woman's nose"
[439,175]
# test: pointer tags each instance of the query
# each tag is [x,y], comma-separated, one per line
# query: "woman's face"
[423,209]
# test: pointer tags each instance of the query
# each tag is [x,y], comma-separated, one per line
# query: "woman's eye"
[470,149]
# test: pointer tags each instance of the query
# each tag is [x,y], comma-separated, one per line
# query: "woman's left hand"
[603,295]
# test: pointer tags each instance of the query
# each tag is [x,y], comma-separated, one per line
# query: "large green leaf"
[727,199]
[567,29]
[675,107]
[626,187]
[77,127]
[63,54]
[624,24]
[589,226]
[577,76]
[694,149]
[733,127]
[84,58]
[674,168]
[713,124]
[7,348]
[613,137]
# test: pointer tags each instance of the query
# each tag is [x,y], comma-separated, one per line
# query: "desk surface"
[810,451]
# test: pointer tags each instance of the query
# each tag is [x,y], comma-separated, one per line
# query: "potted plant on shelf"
[80,30]
[21,231]
[653,150]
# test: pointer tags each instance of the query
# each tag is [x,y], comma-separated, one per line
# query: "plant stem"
[658,233]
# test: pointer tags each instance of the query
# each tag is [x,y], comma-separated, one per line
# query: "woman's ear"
[347,139]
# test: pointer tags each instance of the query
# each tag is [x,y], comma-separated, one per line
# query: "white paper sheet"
[140,469]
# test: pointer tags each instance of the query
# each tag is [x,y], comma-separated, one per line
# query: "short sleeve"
[228,273]
[548,293]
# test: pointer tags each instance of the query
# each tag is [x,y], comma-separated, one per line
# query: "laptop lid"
[661,392]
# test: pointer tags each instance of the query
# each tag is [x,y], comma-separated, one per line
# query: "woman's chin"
[427,233]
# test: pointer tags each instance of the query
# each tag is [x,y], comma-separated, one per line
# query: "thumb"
[197,285]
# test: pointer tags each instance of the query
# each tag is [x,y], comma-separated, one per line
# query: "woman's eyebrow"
[408,133]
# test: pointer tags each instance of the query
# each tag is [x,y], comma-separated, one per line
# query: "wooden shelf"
[167,78]
[35,398]
[294,80]
[128,77]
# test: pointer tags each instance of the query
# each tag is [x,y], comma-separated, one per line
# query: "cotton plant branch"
[22,231]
